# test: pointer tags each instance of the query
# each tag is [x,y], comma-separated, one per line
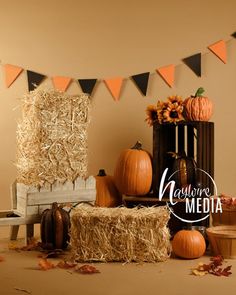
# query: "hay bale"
[52,137]
[120,234]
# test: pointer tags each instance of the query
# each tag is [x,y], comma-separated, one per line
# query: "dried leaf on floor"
[66,264]
[22,290]
[44,264]
[1,259]
[87,269]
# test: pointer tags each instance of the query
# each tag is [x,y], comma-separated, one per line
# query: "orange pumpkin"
[107,193]
[198,107]
[133,172]
[189,244]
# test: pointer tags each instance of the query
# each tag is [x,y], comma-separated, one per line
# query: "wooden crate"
[197,140]
[33,201]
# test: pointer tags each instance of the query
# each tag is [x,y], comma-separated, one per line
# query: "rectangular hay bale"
[120,234]
[52,137]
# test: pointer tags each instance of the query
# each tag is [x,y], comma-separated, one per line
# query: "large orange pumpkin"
[107,193]
[133,172]
[198,107]
[189,244]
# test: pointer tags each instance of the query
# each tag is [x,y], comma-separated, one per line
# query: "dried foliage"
[87,269]
[52,137]
[120,234]
[214,268]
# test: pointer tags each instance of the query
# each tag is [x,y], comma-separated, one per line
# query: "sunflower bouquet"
[170,111]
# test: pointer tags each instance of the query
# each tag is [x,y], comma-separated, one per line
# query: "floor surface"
[19,274]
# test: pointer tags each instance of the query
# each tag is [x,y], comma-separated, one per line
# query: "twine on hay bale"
[120,234]
[52,137]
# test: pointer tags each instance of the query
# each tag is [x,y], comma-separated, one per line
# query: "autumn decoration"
[169,111]
[133,171]
[189,244]
[107,193]
[55,224]
[198,107]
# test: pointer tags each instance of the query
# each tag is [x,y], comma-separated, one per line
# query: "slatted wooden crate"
[33,201]
[197,140]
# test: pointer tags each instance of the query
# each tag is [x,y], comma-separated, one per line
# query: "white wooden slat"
[79,183]
[21,205]
[90,182]
[21,189]
[61,197]
[47,187]
[58,186]
[32,210]
[44,207]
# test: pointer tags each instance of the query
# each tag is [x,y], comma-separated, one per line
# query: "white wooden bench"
[28,202]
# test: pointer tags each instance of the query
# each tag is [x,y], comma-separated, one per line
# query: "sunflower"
[151,112]
[173,113]
[175,99]
[161,108]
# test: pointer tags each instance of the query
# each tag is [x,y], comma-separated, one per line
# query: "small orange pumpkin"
[189,244]
[198,107]
[133,172]
[107,193]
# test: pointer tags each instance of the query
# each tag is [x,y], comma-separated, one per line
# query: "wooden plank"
[44,207]
[47,187]
[190,141]
[90,183]
[14,232]
[32,210]
[61,197]
[21,204]
[13,195]
[79,183]
[180,138]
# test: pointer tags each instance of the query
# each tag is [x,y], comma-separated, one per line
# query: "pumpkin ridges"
[189,244]
[107,193]
[133,172]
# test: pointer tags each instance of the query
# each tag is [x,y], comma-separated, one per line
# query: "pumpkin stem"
[178,155]
[102,172]
[199,92]
[54,206]
[137,146]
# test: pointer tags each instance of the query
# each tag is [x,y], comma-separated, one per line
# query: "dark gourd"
[55,224]
[184,170]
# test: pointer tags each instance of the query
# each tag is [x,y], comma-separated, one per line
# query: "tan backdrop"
[103,39]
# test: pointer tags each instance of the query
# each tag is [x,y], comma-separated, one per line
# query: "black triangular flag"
[87,85]
[194,63]
[34,79]
[234,35]
[141,80]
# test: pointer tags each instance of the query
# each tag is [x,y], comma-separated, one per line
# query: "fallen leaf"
[23,290]
[66,265]
[1,259]
[87,269]
[199,273]
[44,264]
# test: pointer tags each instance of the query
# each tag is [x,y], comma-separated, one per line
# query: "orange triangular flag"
[168,74]
[11,73]
[114,86]
[219,49]
[61,83]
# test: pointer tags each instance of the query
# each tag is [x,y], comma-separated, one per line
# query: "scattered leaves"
[32,245]
[214,268]
[87,269]
[44,264]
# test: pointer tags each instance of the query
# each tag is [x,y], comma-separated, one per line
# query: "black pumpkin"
[183,170]
[54,228]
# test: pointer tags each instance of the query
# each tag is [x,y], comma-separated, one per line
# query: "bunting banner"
[11,73]
[219,49]
[34,79]
[141,81]
[168,74]
[61,83]
[114,86]
[87,85]
[194,62]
